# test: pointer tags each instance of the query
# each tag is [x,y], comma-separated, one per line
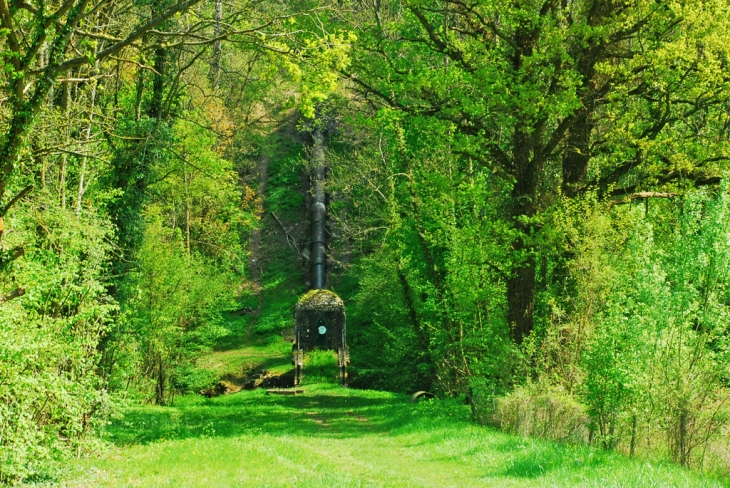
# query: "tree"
[557,98]
[44,42]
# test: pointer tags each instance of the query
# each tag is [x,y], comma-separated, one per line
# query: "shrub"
[550,413]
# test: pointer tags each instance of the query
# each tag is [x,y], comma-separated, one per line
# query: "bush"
[530,411]
[192,379]
[51,398]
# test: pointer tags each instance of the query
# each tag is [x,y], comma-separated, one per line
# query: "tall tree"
[44,41]
[557,97]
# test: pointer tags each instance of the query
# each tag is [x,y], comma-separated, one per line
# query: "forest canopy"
[528,206]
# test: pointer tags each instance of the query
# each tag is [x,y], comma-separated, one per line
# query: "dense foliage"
[526,206]
[525,177]
[124,205]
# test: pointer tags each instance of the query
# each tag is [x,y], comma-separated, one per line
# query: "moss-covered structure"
[320,324]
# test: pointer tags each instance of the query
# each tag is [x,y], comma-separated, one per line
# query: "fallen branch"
[286,233]
[20,195]
[642,195]
[18,292]
[10,256]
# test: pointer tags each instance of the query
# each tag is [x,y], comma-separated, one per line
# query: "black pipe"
[319,214]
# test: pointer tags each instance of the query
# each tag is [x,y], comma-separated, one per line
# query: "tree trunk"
[66,105]
[521,300]
[140,92]
[158,84]
[521,285]
[160,387]
[577,154]
[215,64]
[187,208]
[435,275]
[410,304]
[82,176]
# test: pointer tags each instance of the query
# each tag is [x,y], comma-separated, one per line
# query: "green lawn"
[338,437]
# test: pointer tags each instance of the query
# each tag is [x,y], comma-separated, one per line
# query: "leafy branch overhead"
[560,98]
[46,42]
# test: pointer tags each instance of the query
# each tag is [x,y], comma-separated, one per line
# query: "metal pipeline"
[319,213]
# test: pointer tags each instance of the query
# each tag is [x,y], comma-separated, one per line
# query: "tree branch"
[18,292]
[17,197]
[643,195]
[133,36]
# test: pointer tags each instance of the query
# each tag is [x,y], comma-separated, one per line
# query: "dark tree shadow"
[315,415]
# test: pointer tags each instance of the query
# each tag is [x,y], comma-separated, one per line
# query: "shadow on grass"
[252,413]
[340,414]
[272,364]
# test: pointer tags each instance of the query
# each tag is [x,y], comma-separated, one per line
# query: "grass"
[281,274]
[337,437]
[238,353]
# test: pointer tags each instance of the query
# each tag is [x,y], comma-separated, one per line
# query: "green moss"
[320,296]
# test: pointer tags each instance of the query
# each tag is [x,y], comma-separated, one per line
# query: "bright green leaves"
[173,308]
[641,330]
[52,398]
[189,259]
[665,110]
[315,65]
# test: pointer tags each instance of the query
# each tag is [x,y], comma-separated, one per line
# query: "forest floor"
[331,436]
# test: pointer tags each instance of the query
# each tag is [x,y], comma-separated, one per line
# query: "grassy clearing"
[337,437]
[238,353]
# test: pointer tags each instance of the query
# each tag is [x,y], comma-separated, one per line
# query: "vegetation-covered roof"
[324,300]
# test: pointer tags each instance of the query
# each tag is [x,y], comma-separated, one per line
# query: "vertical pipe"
[319,213]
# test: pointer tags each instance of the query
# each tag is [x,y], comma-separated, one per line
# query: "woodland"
[528,208]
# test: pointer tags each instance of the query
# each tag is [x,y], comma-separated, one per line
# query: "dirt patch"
[357,417]
[318,419]
[223,387]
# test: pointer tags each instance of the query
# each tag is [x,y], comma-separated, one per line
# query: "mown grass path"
[336,437]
